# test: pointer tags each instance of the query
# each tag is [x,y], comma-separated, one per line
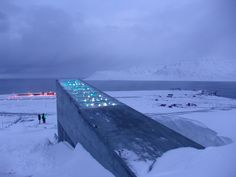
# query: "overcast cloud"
[74,38]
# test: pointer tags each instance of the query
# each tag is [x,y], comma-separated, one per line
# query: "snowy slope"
[29,149]
[200,70]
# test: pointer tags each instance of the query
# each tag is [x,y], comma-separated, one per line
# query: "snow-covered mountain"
[199,70]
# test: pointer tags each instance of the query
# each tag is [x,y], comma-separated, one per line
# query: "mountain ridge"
[202,70]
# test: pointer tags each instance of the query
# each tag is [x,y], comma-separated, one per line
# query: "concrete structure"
[106,128]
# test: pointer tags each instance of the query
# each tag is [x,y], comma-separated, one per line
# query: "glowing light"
[87,96]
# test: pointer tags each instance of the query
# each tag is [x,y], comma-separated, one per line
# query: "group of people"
[42,117]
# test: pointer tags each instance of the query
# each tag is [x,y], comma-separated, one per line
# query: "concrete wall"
[106,131]
[73,128]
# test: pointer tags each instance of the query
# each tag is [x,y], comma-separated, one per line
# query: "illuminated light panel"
[87,96]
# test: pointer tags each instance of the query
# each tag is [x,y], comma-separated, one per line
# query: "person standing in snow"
[44,118]
[39,118]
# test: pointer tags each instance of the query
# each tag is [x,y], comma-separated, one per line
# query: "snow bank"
[73,163]
[188,162]
[35,155]
[193,130]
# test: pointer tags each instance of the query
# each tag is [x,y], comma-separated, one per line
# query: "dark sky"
[74,38]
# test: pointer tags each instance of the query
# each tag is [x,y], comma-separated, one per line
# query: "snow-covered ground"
[29,149]
[184,70]
[203,118]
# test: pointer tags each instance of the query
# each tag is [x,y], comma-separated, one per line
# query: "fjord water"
[225,89]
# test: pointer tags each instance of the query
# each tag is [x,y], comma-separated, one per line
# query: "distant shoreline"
[224,88]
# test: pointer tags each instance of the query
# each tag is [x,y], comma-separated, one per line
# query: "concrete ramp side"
[107,128]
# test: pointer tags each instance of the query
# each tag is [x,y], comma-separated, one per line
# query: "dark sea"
[225,89]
